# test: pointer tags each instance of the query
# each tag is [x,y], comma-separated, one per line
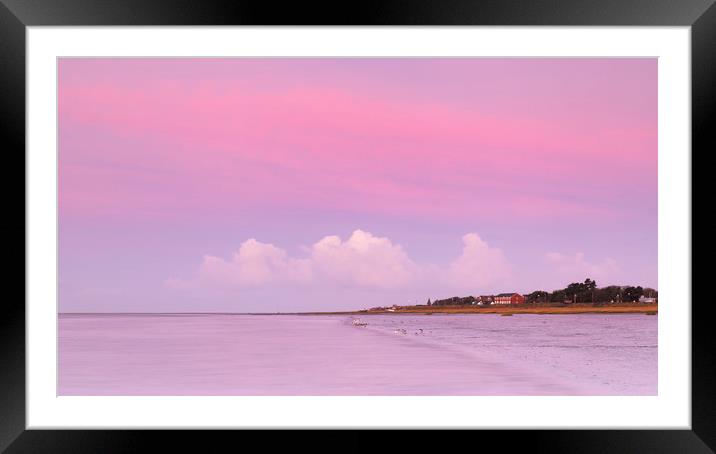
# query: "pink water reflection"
[326,355]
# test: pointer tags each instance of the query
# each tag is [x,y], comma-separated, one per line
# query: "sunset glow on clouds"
[361,261]
[277,161]
[479,265]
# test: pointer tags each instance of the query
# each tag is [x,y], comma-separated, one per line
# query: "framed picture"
[435,216]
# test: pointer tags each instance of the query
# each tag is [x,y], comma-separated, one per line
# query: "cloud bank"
[363,261]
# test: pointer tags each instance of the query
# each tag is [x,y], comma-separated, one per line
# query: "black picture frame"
[16,15]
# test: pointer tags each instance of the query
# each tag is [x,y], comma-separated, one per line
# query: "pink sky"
[302,184]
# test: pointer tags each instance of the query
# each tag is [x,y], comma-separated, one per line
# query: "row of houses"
[516,298]
[502,298]
[489,300]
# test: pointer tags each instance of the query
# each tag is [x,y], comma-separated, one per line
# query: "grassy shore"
[625,308]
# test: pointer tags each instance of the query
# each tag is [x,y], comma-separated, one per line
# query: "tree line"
[576,292]
[588,292]
[453,301]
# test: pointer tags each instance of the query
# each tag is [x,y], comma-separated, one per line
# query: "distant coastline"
[539,308]
[546,309]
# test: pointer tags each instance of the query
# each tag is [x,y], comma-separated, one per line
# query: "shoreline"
[648,309]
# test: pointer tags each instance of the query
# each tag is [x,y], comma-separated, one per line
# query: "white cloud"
[255,264]
[575,268]
[479,266]
[363,261]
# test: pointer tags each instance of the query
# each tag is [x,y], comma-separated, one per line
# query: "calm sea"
[586,354]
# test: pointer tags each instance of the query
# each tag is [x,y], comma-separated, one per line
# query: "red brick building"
[509,298]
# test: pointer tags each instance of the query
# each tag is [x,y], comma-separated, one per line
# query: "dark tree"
[607,294]
[558,296]
[632,293]
[538,296]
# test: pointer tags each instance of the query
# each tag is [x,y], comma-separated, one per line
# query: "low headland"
[526,308]
[576,298]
